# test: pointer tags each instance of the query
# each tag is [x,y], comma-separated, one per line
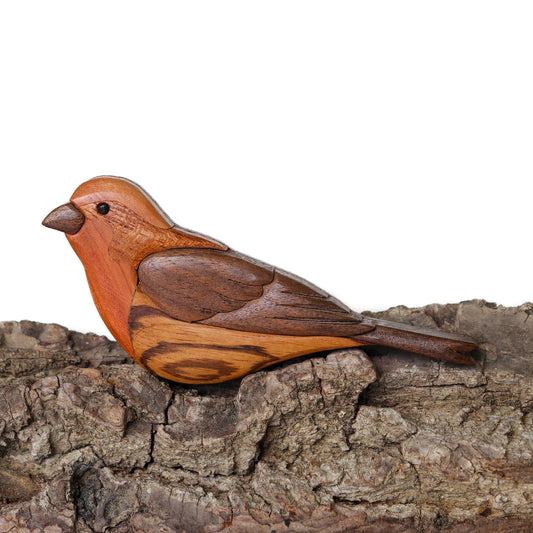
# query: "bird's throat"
[112,282]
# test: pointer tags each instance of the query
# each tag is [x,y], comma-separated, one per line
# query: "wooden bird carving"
[188,308]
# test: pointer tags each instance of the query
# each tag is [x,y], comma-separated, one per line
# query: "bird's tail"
[437,344]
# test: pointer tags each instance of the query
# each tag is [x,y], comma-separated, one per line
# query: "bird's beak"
[67,218]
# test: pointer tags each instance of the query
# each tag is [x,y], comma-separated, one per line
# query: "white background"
[382,150]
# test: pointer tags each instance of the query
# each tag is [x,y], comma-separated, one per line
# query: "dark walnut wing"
[229,290]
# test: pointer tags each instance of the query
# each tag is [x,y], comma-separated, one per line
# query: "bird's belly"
[196,353]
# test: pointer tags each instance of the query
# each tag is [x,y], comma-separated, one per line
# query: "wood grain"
[226,289]
[196,353]
[441,345]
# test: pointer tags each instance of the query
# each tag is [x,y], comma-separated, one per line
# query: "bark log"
[335,442]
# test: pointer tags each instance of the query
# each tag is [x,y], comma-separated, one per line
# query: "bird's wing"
[230,290]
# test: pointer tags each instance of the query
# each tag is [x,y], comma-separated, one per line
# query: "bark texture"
[331,443]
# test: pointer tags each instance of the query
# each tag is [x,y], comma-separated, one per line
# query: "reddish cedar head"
[190,309]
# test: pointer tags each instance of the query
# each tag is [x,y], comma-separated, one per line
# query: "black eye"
[102,208]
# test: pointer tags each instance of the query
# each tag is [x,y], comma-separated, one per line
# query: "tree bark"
[369,441]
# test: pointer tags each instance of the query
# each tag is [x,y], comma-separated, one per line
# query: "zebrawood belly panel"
[197,353]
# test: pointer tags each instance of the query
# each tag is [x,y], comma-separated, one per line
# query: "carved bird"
[188,308]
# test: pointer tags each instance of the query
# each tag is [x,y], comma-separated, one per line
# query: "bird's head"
[117,215]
